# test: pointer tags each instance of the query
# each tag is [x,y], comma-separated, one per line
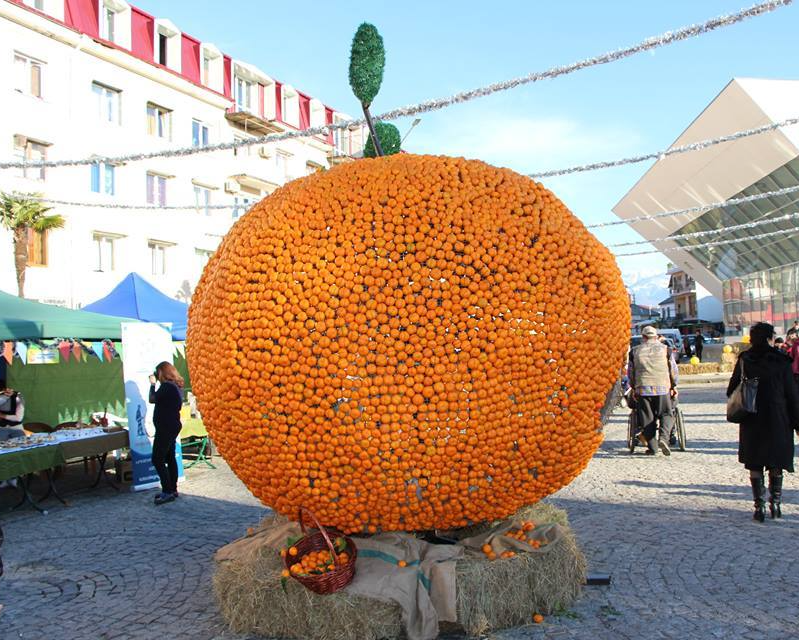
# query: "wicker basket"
[330,581]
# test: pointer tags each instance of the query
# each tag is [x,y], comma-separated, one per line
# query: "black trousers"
[653,410]
[164,460]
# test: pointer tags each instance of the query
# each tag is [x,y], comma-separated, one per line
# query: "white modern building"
[757,279]
[101,78]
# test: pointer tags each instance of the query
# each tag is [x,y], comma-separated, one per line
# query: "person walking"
[653,378]
[168,399]
[766,437]
[793,353]
[699,344]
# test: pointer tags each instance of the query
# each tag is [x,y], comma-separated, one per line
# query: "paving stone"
[676,534]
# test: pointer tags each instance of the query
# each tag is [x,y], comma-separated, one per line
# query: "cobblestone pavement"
[675,533]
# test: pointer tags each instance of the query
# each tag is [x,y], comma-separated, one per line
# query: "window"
[284,103]
[290,106]
[37,248]
[203,256]
[156,189]
[245,150]
[28,74]
[107,101]
[199,134]
[107,23]
[282,163]
[158,257]
[202,199]
[206,77]
[244,90]
[103,178]
[163,39]
[26,149]
[241,204]
[159,121]
[104,251]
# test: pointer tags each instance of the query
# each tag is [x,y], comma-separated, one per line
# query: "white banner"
[144,345]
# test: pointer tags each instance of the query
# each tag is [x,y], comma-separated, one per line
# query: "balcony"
[252,123]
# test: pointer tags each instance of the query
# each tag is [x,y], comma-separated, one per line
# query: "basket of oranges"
[322,561]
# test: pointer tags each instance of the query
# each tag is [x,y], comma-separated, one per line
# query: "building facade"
[756,279]
[101,78]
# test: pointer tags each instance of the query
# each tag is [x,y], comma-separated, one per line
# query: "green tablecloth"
[193,428]
[20,463]
[87,447]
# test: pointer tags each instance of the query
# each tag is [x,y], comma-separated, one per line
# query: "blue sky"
[437,48]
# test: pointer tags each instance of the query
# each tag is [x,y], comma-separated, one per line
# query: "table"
[193,428]
[22,463]
[80,443]
[96,446]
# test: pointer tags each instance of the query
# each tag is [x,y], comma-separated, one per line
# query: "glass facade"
[747,256]
[769,296]
[760,277]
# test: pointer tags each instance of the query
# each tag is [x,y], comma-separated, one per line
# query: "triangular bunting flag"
[22,352]
[97,347]
[107,352]
[77,352]
[181,348]
[117,350]
[8,351]
[64,348]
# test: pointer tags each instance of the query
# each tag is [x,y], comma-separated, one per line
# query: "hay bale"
[254,599]
[500,594]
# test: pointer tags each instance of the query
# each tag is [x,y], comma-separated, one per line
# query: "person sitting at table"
[168,400]
[12,411]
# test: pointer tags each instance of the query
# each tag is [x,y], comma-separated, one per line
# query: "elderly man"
[653,378]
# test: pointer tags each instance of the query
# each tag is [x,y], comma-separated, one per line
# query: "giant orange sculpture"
[409,342]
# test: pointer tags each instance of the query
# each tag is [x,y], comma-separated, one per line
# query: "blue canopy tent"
[134,297]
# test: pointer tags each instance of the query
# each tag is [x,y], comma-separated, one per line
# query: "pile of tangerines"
[405,343]
[316,563]
[519,534]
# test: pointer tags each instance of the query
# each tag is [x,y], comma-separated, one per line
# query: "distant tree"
[21,213]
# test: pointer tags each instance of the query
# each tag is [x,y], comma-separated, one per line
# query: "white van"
[674,335]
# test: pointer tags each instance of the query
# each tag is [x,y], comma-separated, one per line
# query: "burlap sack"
[424,589]
[546,534]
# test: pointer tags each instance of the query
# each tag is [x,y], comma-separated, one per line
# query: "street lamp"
[415,122]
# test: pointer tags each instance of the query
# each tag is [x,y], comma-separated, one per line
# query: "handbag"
[742,403]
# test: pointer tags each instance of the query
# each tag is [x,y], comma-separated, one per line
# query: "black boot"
[775,495]
[759,494]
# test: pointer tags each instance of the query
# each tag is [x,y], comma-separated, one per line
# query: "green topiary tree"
[388,137]
[367,62]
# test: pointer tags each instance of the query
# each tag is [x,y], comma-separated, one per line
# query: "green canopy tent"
[22,319]
[68,390]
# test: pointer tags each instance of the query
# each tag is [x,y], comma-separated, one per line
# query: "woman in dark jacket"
[766,438]
[168,400]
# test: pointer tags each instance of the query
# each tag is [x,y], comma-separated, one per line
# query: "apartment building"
[101,78]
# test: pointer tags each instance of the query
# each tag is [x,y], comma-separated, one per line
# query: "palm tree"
[19,213]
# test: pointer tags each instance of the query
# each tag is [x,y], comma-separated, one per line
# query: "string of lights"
[707,232]
[699,208]
[660,155]
[715,243]
[427,106]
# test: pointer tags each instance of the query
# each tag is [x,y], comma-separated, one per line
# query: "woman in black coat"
[168,400]
[766,439]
